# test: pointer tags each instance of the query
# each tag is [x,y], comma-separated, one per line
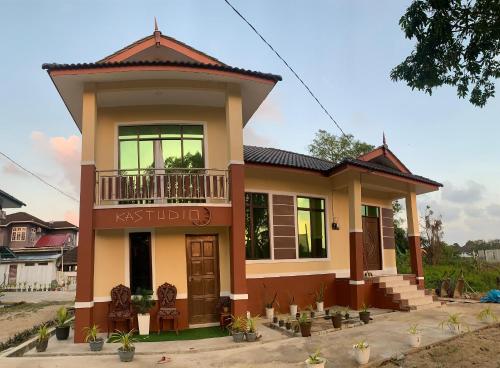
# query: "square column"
[84,304]
[234,131]
[356,281]
[414,238]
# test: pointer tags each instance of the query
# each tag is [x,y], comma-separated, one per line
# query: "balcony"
[161,186]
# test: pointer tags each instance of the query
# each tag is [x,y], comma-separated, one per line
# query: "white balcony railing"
[161,186]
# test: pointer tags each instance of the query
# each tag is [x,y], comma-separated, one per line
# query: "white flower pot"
[143,322]
[362,356]
[318,365]
[293,310]
[414,340]
[319,306]
[269,313]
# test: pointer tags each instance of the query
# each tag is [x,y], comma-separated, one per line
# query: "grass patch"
[189,334]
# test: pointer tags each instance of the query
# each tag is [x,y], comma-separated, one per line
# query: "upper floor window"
[257,226]
[147,147]
[311,227]
[18,233]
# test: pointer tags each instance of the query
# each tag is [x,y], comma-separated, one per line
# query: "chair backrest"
[167,294]
[120,298]
[224,301]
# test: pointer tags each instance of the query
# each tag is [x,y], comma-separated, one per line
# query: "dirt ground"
[475,349]
[21,317]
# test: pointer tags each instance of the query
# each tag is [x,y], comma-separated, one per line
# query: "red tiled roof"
[55,240]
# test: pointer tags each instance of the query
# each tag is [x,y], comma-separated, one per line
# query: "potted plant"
[364,315]
[454,323]
[305,325]
[319,297]
[337,319]
[269,304]
[292,305]
[288,324]
[346,312]
[34,286]
[251,329]
[281,323]
[127,350]
[62,324]
[487,315]
[142,304]
[95,342]
[414,336]
[43,338]
[238,327]
[314,360]
[361,352]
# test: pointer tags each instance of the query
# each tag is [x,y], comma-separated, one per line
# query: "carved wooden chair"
[167,294]
[120,308]
[223,309]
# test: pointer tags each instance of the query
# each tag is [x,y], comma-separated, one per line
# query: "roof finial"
[157,34]
[383,140]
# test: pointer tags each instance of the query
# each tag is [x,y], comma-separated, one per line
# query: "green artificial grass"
[189,334]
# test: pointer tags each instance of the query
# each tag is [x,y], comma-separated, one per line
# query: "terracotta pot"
[305,329]
[365,317]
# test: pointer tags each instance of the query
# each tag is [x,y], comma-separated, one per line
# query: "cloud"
[493,210]
[64,152]
[472,192]
[270,111]
[10,169]
[250,137]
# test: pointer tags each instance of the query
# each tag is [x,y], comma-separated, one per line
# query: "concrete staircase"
[407,295]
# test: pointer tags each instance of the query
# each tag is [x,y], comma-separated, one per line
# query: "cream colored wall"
[109,261]
[109,118]
[168,254]
[337,205]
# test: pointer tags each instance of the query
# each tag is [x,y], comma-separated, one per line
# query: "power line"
[39,178]
[287,65]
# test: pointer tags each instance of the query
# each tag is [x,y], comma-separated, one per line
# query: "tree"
[334,148]
[458,44]
[400,237]
[432,241]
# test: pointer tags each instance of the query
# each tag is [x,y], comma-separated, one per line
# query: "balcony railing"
[167,186]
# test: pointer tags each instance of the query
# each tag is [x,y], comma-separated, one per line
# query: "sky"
[343,49]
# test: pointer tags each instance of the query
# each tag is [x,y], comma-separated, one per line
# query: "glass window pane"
[172,154]
[192,131]
[259,199]
[302,202]
[171,131]
[304,233]
[128,155]
[146,155]
[193,153]
[261,232]
[248,238]
[127,132]
[148,131]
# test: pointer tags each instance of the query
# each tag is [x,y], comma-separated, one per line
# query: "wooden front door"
[371,244]
[203,277]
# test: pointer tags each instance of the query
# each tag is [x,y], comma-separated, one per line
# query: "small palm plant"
[43,338]
[454,323]
[62,317]
[126,339]
[315,359]
[91,336]
[487,315]
[413,329]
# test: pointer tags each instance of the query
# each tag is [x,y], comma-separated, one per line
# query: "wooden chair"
[223,309]
[120,308]
[167,294]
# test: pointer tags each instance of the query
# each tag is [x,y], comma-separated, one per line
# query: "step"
[408,294]
[387,278]
[401,289]
[391,284]
[416,301]
[424,306]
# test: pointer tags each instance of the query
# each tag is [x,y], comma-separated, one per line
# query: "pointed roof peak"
[156,25]
[384,142]
[157,34]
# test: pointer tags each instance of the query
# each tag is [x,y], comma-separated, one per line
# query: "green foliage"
[43,332]
[315,358]
[62,317]
[143,302]
[319,295]
[364,307]
[91,333]
[486,314]
[251,323]
[334,148]
[238,324]
[23,336]
[361,345]
[127,339]
[413,329]
[457,44]
[304,318]
[454,323]
[400,236]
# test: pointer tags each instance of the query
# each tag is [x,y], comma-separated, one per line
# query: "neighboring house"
[489,255]
[170,194]
[32,248]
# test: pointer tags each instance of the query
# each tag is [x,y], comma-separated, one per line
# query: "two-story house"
[169,193]
[32,248]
